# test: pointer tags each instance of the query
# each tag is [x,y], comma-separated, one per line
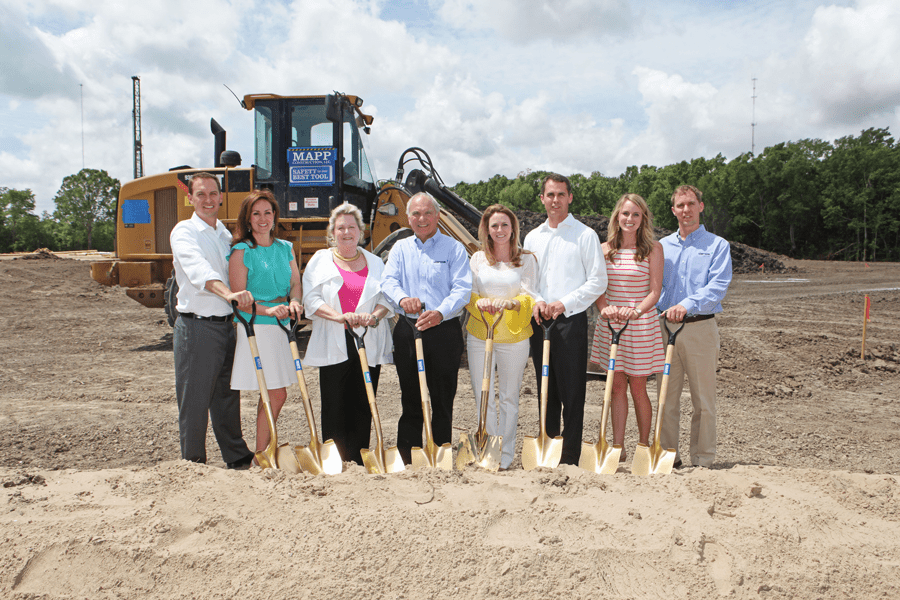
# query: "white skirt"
[275,353]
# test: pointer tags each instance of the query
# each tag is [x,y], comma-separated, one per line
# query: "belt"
[202,318]
[696,318]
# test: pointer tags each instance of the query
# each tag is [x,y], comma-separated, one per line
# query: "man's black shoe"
[242,463]
[676,465]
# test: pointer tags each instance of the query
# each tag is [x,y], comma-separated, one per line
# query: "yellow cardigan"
[515,326]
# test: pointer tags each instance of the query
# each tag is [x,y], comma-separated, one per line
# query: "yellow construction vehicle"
[309,152]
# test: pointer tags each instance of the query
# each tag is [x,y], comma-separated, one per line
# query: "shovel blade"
[272,458]
[489,452]
[440,458]
[652,460]
[287,460]
[309,462]
[600,457]
[331,462]
[392,462]
[465,451]
[541,452]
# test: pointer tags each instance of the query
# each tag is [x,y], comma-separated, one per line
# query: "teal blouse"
[268,274]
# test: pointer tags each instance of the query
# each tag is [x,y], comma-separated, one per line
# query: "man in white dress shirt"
[572,277]
[204,334]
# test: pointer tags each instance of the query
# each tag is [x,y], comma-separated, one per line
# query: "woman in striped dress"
[634,265]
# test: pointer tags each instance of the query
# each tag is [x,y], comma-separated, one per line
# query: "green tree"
[20,229]
[84,201]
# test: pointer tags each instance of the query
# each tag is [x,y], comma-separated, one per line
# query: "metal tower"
[136,119]
[753,122]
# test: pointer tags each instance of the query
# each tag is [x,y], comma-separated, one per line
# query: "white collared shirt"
[570,264]
[200,254]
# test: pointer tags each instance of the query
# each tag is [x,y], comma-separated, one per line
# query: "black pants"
[568,379]
[346,416]
[443,346]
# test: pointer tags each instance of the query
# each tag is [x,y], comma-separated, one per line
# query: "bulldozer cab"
[309,151]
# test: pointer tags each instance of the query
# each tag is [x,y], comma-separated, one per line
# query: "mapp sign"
[311,166]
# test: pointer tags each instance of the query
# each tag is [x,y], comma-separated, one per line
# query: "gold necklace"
[338,256]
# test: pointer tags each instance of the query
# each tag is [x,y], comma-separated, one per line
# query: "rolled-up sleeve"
[186,250]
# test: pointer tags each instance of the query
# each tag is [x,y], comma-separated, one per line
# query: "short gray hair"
[344,209]
[434,203]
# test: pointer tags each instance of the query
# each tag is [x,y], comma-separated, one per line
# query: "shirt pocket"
[698,269]
[438,277]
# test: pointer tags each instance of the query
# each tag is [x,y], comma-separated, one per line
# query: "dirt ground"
[802,501]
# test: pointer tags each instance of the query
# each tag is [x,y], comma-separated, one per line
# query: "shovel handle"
[672,334]
[248,325]
[616,334]
[359,339]
[291,330]
[493,327]
[546,325]
[412,322]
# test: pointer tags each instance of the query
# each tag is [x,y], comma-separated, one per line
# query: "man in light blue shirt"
[429,271]
[695,280]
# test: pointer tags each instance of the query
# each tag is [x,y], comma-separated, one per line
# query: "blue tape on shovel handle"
[368,377]
[258,363]
[612,365]
[297,365]
[545,371]
[666,368]
[421,364]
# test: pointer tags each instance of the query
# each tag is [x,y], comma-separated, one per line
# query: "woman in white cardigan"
[342,288]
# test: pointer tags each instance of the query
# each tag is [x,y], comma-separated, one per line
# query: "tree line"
[84,218]
[807,199]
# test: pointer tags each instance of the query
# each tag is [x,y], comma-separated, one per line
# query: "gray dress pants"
[204,354]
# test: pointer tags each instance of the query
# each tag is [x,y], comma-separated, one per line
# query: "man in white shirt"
[204,334]
[572,276]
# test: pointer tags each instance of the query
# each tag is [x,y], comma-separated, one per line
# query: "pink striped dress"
[641,351]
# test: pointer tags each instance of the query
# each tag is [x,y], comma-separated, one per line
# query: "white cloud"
[522,21]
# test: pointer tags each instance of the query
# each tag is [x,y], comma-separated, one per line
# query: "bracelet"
[376,321]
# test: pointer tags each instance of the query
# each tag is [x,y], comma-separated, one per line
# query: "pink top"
[351,291]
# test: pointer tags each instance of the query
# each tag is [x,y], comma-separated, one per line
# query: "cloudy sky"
[485,86]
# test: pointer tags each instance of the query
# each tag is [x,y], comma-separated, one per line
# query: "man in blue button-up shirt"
[695,279]
[430,269]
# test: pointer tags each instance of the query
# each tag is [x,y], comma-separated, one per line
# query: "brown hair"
[559,179]
[203,175]
[244,233]
[487,243]
[644,235]
[685,189]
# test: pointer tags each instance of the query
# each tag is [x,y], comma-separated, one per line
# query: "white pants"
[509,363]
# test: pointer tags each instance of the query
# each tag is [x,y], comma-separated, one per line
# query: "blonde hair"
[344,209]
[644,235]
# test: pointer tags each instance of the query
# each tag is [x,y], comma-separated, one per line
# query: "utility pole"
[136,120]
[81,85]
[753,122]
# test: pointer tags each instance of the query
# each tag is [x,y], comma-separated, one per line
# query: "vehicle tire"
[171,300]
[383,249]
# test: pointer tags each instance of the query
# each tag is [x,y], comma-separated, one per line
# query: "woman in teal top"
[266,266]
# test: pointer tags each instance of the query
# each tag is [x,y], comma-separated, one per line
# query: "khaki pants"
[696,355]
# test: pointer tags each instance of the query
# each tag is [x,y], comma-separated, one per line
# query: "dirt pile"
[744,259]
[40,253]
